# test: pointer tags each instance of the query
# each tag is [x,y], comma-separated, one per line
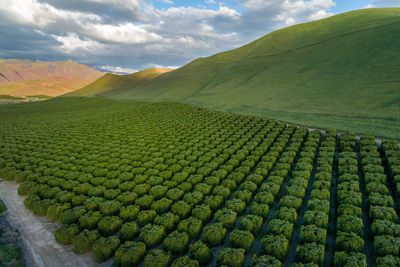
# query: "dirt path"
[37,233]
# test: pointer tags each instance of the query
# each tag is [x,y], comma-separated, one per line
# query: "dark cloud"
[135,34]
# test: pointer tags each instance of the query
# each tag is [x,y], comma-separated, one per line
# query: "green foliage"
[221,191]
[201,252]
[252,223]
[90,220]
[386,245]
[129,213]
[343,259]
[193,198]
[237,205]
[161,206]
[291,202]
[377,199]
[266,260]
[241,239]
[202,212]
[349,242]
[145,216]
[348,223]
[93,203]
[312,234]
[54,211]
[158,191]
[203,188]
[168,220]
[152,234]
[130,253]
[182,209]
[157,258]
[214,201]
[374,187]
[317,218]
[288,214]
[83,242]
[382,213]
[227,217]
[71,215]
[296,191]
[281,227]
[25,188]
[127,198]
[191,226]
[66,233]
[176,242]
[348,209]
[214,234]
[185,261]
[264,197]
[144,202]
[275,245]
[322,194]
[110,207]
[387,261]
[259,209]
[105,247]
[311,253]
[384,227]
[231,257]
[109,225]
[128,231]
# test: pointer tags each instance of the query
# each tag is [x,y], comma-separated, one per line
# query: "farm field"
[164,184]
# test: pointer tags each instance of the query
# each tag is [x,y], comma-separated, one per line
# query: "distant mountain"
[342,72]
[26,78]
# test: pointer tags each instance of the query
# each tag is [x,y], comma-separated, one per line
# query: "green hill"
[113,84]
[342,72]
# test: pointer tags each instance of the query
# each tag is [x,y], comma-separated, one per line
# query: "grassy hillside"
[342,72]
[112,84]
[27,78]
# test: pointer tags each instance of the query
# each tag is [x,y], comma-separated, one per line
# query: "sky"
[131,35]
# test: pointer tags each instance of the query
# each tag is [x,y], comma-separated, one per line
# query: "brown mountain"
[27,78]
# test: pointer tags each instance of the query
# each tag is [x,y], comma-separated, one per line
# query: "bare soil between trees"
[37,233]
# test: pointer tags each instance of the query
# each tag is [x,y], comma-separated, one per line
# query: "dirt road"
[38,233]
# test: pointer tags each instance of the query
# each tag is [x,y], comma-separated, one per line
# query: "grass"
[113,84]
[340,72]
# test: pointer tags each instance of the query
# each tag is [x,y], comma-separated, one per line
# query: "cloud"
[383,3]
[71,43]
[117,69]
[135,34]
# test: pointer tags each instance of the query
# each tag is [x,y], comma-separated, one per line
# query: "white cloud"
[72,42]
[133,33]
[117,69]
[383,3]
[122,33]
[32,12]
